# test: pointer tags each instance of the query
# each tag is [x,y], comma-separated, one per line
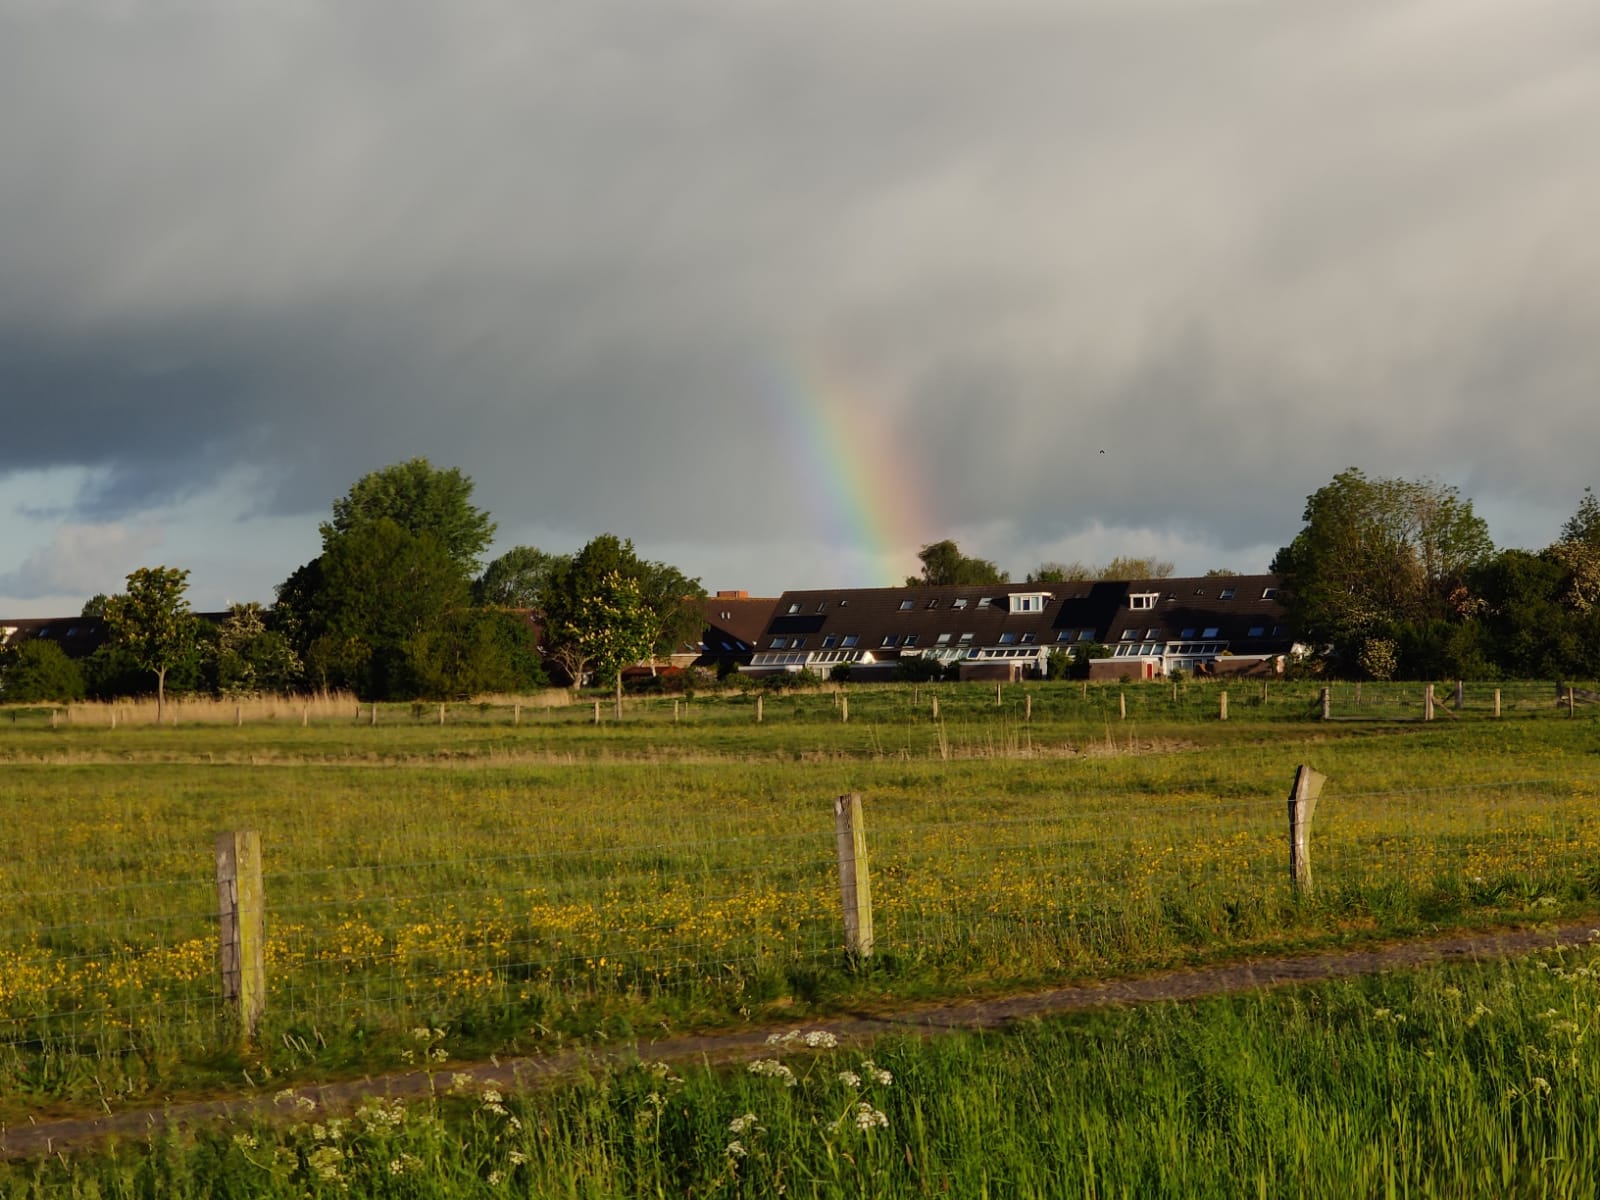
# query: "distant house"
[78,637]
[1149,627]
[734,623]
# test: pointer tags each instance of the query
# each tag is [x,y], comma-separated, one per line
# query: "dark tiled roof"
[734,624]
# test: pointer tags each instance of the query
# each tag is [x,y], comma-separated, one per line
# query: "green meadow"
[528,880]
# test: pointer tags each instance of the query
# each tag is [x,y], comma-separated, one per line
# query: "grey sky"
[588,253]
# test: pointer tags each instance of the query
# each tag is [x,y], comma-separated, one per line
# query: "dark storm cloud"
[567,248]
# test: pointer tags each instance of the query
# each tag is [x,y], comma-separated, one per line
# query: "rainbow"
[868,507]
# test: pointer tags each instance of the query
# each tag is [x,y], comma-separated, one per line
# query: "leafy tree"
[95,606]
[670,610]
[1584,525]
[1376,554]
[1125,567]
[608,628]
[943,563]
[40,670]
[385,592]
[517,578]
[1059,572]
[152,622]
[421,499]
[252,658]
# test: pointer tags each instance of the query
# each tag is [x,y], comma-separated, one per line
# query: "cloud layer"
[588,253]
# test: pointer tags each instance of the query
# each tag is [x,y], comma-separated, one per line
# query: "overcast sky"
[784,290]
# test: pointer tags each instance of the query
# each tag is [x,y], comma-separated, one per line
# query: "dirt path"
[46,1137]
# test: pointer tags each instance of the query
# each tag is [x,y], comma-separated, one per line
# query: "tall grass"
[1452,1081]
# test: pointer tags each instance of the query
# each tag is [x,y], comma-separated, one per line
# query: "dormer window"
[1029,602]
[1143,600]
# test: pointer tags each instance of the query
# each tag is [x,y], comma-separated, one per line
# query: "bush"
[41,670]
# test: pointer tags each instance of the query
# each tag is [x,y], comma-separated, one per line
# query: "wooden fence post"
[1302,803]
[1427,702]
[305,715]
[758,709]
[441,714]
[936,708]
[1497,702]
[1222,707]
[1122,706]
[238,715]
[597,712]
[1027,708]
[855,885]
[1572,704]
[997,700]
[241,940]
[844,709]
[674,712]
[516,715]
[1460,696]
[1358,695]
[374,712]
[1327,703]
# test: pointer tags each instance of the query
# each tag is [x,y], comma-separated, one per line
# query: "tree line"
[398,605]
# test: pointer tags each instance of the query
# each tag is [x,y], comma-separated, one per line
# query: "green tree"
[1584,525]
[252,658]
[40,670]
[671,611]
[943,563]
[517,578]
[1376,554]
[1060,572]
[386,594]
[152,622]
[1128,567]
[421,499]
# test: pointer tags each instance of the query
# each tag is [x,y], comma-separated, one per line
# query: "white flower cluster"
[743,1125]
[868,1117]
[816,1039]
[773,1068]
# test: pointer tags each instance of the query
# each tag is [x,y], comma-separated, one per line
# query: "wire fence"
[122,959]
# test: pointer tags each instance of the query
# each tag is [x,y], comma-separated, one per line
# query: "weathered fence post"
[844,709]
[1222,707]
[855,885]
[674,712]
[1427,702]
[1572,704]
[1027,708]
[997,700]
[758,709]
[305,716]
[1460,701]
[1302,803]
[1263,691]
[238,715]
[1358,695]
[1497,702]
[597,712]
[916,697]
[241,939]
[441,714]
[1327,703]
[936,708]
[516,715]
[374,712]
[1122,706]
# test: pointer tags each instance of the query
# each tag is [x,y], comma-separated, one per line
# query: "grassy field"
[536,884]
[1478,1080]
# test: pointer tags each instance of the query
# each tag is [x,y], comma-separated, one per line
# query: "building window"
[1028,602]
[1257,631]
[850,639]
[793,608]
[1129,635]
[942,640]
[1187,633]
[829,642]
[1064,636]
[1226,594]
[889,639]
[966,639]
[1086,636]
[910,640]
[779,644]
[822,606]
[1139,601]
[1152,633]
[1269,593]
[1210,632]
[1028,639]
[906,605]
[959,602]
[934,603]
[1007,639]
[985,602]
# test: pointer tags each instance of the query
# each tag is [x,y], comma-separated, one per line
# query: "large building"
[1147,627]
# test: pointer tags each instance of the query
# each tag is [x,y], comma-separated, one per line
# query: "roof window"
[794,608]
[907,605]
[1225,594]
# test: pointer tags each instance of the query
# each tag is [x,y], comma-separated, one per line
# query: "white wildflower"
[517,1158]
[736,1149]
[773,1068]
[494,1178]
[850,1079]
[821,1039]
[743,1125]
[421,1034]
[868,1117]
[245,1141]
[876,1073]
